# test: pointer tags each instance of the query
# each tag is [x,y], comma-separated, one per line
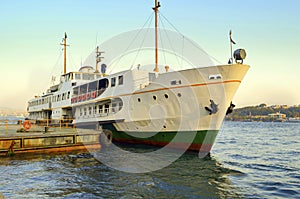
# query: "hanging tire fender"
[106,138]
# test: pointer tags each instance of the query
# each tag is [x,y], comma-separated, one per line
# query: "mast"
[157,6]
[65,52]
[98,59]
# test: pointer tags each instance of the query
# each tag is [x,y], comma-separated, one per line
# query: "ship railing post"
[60,124]
[6,123]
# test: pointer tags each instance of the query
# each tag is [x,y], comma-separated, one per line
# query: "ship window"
[154,97]
[106,109]
[100,109]
[85,77]
[121,79]
[93,86]
[83,89]
[63,96]
[78,76]
[90,110]
[120,105]
[166,96]
[69,95]
[103,84]
[113,109]
[84,110]
[80,111]
[95,109]
[139,99]
[75,91]
[113,82]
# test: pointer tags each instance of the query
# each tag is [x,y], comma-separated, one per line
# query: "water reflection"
[81,176]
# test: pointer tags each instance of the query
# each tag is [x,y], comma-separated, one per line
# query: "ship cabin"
[104,97]
[56,102]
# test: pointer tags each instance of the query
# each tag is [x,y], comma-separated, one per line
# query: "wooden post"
[6,123]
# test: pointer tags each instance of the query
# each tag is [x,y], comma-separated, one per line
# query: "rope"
[169,39]
[190,41]
[139,50]
[149,18]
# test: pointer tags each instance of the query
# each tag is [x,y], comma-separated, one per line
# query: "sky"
[31,32]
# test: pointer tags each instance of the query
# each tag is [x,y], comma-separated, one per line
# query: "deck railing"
[10,125]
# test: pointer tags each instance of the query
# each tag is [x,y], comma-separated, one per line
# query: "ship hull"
[181,110]
[200,141]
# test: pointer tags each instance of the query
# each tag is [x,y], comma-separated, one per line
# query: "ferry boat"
[181,109]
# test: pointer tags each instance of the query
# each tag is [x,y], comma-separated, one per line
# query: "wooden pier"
[40,139]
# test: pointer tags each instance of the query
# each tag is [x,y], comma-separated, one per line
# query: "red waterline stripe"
[173,145]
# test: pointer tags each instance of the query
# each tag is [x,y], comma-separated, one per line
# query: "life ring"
[27,125]
[94,94]
[106,138]
[88,96]
[83,97]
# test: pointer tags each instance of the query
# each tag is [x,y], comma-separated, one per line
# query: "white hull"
[161,106]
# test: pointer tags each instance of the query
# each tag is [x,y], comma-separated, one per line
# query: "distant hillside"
[263,110]
[5,111]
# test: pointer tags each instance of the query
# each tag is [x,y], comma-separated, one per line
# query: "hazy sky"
[31,32]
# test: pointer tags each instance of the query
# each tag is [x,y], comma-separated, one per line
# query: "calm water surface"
[249,160]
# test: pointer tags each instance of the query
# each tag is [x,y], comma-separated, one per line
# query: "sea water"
[248,160]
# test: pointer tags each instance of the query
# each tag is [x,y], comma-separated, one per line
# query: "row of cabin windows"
[100,109]
[90,87]
[80,76]
[61,97]
[46,100]
[114,81]
[98,85]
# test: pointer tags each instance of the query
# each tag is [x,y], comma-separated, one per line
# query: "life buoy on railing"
[79,98]
[27,125]
[94,94]
[88,96]
[83,97]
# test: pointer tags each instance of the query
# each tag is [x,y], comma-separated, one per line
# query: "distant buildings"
[278,117]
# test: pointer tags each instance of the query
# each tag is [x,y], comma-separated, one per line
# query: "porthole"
[179,94]
[139,99]
[165,126]
[166,96]
[154,97]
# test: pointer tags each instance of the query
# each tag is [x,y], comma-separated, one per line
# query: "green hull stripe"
[206,137]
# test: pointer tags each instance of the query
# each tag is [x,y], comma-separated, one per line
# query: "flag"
[230,34]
